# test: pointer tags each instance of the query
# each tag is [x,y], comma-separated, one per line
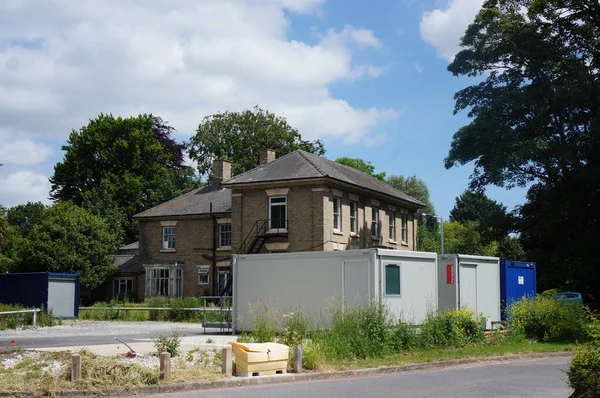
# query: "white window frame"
[353,217]
[392,225]
[404,228]
[204,272]
[271,205]
[118,284]
[375,222]
[223,273]
[337,216]
[168,244]
[166,281]
[222,234]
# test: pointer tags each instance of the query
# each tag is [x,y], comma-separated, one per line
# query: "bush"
[584,372]
[313,356]
[168,344]
[544,318]
[452,328]
[404,337]
[15,321]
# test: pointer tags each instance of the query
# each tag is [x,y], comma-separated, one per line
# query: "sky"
[368,77]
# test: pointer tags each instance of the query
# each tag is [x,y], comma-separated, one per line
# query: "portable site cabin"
[55,291]
[306,282]
[470,282]
[517,280]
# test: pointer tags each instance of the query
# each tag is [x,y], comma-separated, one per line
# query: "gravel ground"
[104,328]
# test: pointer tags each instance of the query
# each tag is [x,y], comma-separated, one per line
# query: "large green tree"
[72,240]
[535,121]
[4,231]
[364,166]
[121,165]
[491,216]
[239,137]
[25,217]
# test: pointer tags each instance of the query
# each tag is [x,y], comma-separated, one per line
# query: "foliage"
[121,166]
[415,187]
[428,237]
[361,331]
[69,239]
[544,318]
[25,217]
[264,318]
[535,123]
[4,231]
[453,328]
[364,166]
[467,239]
[471,206]
[510,248]
[294,329]
[170,344]
[313,356]
[175,314]
[584,372]
[239,137]
[404,337]
[17,321]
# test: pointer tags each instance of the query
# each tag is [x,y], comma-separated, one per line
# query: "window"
[224,235]
[122,287]
[277,212]
[337,214]
[392,223]
[353,217]
[404,227]
[168,238]
[203,276]
[392,279]
[375,221]
[223,281]
[164,281]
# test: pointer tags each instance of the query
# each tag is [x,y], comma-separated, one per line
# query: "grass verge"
[435,355]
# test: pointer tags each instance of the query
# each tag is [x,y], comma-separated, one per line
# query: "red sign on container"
[450,274]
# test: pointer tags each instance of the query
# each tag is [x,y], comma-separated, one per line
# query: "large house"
[298,202]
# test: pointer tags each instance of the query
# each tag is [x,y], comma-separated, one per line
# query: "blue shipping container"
[56,291]
[517,280]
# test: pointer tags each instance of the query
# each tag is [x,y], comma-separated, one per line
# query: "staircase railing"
[258,230]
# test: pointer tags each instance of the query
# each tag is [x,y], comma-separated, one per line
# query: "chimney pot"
[267,156]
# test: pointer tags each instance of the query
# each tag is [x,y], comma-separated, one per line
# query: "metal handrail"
[34,311]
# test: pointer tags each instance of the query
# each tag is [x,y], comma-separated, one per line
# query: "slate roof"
[131,246]
[127,263]
[301,165]
[192,203]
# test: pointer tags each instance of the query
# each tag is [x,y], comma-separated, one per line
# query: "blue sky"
[369,78]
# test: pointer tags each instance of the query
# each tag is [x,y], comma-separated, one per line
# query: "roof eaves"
[139,215]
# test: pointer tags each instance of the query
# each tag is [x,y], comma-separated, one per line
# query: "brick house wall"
[193,248]
[310,218]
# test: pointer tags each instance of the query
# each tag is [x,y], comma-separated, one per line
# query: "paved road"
[534,378]
[89,333]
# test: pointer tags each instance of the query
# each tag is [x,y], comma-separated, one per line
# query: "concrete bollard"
[165,366]
[75,367]
[297,365]
[227,361]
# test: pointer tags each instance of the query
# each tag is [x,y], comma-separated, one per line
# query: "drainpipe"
[214,253]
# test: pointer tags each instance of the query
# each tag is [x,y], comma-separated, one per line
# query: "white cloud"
[419,68]
[64,61]
[23,186]
[442,28]
[23,152]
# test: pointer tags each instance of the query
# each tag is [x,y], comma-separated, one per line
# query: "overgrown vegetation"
[544,318]
[174,314]
[15,321]
[170,344]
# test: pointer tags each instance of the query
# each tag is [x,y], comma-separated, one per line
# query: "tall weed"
[452,328]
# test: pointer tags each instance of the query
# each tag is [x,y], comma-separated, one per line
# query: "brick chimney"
[267,156]
[221,172]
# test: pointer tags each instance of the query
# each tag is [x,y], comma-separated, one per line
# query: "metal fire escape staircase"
[253,243]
